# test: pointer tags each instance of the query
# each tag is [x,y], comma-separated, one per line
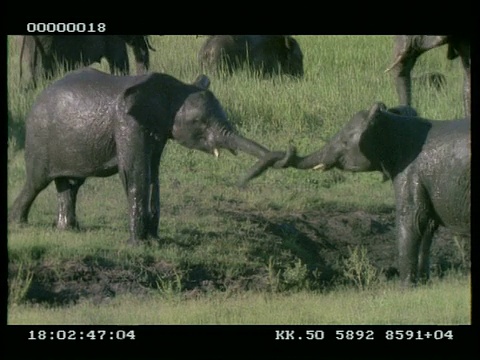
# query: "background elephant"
[428,162]
[90,123]
[43,55]
[267,54]
[408,48]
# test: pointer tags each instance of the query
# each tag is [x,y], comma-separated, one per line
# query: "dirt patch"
[322,239]
[319,239]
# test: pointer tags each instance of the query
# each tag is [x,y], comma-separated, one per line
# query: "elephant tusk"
[216,153]
[319,167]
[397,60]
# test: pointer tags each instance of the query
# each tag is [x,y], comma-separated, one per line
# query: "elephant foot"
[67,225]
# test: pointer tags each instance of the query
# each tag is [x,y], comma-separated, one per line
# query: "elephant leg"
[117,56]
[35,59]
[424,253]
[133,168]
[467,82]
[140,46]
[26,62]
[47,57]
[21,206]
[408,249]
[414,226]
[406,52]
[67,189]
[467,92]
[403,79]
[154,201]
[460,46]
[137,191]
[142,56]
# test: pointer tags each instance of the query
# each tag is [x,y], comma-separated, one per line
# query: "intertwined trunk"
[236,142]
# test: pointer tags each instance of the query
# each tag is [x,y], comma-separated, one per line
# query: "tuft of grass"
[19,285]
[358,269]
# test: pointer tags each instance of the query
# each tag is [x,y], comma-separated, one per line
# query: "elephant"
[428,162]
[408,48]
[266,54]
[93,124]
[43,55]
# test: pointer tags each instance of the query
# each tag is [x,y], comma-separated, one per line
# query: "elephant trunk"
[235,142]
[276,159]
[312,161]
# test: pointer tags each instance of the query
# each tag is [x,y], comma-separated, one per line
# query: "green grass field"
[283,243]
[346,306]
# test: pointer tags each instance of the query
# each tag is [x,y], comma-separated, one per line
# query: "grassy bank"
[442,302]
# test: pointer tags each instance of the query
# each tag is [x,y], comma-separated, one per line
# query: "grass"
[247,248]
[346,306]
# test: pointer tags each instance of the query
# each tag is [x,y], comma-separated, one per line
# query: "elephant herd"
[43,55]
[90,123]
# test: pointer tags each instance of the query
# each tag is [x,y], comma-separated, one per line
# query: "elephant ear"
[146,102]
[202,81]
[371,141]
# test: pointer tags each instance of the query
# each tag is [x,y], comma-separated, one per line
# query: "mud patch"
[319,240]
[322,239]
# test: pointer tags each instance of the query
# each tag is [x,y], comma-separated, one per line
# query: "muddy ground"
[320,239]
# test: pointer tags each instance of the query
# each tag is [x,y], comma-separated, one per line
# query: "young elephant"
[90,123]
[428,162]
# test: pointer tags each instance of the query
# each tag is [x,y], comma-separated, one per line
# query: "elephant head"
[364,144]
[201,123]
[197,119]
[343,151]
[368,142]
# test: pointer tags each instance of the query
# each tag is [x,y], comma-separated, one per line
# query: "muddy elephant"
[90,123]
[266,54]
[428,162]
[43,55]
[408,48]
